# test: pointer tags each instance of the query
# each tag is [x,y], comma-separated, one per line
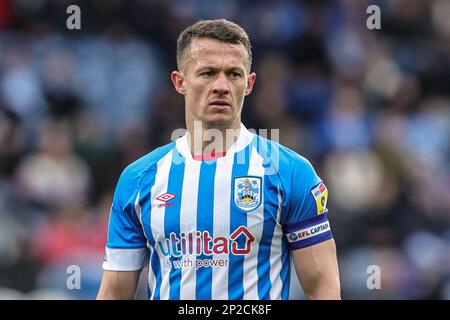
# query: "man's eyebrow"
[211,67]
[235,68]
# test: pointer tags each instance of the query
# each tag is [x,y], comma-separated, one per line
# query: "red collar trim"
[206,157]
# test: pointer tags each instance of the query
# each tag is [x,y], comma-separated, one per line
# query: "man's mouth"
[219,106]
[220,103]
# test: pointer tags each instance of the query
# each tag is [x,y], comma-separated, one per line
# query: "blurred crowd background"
[369,108]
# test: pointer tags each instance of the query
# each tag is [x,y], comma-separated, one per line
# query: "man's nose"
[221,85]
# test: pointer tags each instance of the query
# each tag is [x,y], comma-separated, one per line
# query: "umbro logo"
[166,197]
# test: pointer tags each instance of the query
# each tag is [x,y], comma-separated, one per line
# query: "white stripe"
[221,224]
[157,218]
[275,257]
[151,276]
[188,223]
[255,223]
[125,259]
[138,209]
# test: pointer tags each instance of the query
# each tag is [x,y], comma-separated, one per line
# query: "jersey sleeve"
[126,248]
[305,215]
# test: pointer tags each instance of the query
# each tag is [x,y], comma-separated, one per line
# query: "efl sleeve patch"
[309,232]
[320,194]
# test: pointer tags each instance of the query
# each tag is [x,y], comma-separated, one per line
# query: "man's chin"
[219,121]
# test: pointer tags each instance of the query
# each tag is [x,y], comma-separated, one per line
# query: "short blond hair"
[221,29]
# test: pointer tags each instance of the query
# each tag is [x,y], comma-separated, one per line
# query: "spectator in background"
[54,175]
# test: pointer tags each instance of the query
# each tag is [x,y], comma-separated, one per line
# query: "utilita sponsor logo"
[198,243]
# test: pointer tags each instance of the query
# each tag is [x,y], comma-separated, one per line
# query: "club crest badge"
[247,192]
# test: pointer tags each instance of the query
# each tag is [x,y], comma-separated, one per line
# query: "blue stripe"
[270,218]
[156,267]
[285,269]
[147,183]
[172,219]
[205,217]
[237,218]
[270,152]
[285,274]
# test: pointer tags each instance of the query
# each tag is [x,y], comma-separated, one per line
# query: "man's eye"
[234,74]
[207,73]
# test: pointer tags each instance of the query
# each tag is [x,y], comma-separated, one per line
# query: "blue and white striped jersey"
[218,229]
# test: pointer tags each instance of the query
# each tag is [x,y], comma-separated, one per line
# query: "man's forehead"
[204,51]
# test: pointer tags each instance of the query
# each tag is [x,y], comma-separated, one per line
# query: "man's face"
[214,81]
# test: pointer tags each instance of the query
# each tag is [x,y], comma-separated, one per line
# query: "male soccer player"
[222,224]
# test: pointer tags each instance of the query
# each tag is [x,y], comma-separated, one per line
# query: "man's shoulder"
[135,169]
[295,172]
[276,152]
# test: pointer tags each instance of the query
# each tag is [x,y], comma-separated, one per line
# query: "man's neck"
[210,141]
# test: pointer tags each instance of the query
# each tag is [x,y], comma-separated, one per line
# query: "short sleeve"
[126,248]
[305,220]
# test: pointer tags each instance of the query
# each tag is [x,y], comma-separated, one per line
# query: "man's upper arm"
[119,285]
[307,228]
[317,270]
[304,212]
[126,246]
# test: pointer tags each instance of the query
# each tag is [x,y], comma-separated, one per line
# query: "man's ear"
[250,83]
[177,78]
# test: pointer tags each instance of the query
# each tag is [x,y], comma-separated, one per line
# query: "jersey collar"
[244,139]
